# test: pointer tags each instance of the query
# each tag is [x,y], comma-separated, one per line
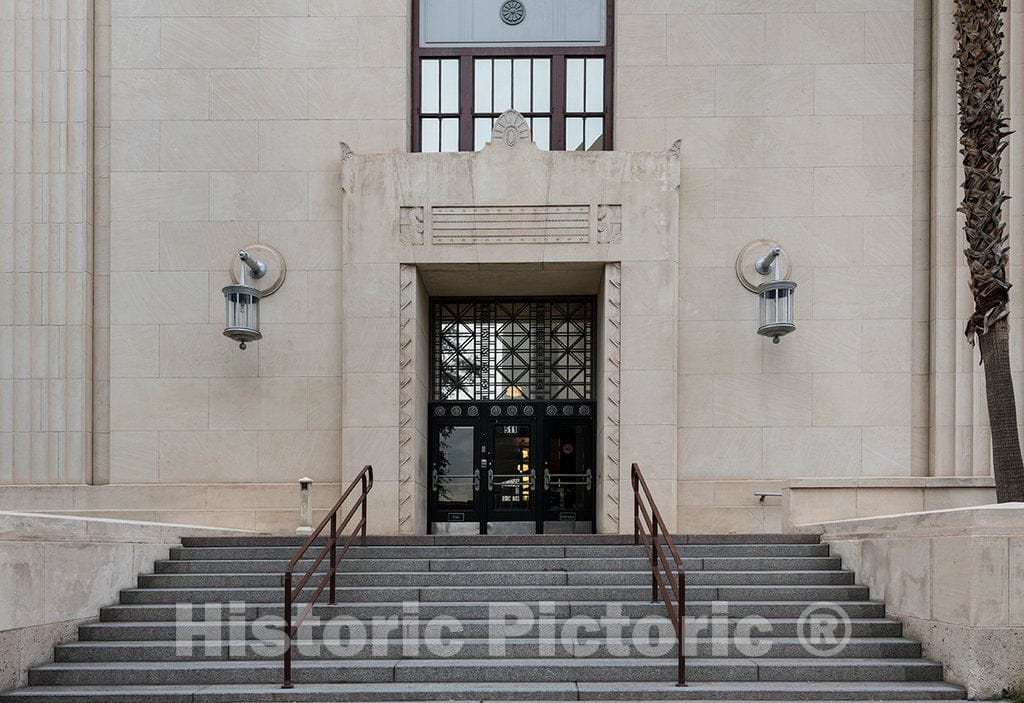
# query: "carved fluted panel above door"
[514,224]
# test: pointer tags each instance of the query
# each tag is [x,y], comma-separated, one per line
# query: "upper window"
[474,60]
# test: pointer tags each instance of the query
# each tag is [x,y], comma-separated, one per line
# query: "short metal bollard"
[305,508]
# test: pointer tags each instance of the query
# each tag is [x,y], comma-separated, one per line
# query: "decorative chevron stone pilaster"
[612,392]
[407,400]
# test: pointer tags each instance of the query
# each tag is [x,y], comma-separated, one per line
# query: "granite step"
[738,691]
[497,578]
[481,564]
[161,631]
[500,540]
[510,592]
[458,609]
[520,647]
[513,551]
[547,669]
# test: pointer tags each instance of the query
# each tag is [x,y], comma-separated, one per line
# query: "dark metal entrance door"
[482,477]
[511,495]
[519,468]
[569,476]
[455,479]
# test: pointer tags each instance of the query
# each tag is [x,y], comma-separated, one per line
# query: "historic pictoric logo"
[513,12]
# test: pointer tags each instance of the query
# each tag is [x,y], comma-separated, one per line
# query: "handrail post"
[636,505]
[681,631]
[365,491]
[334,556]
[287,629]
[654,561]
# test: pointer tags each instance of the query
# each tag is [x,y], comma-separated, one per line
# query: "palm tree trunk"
[983,137]
[1002,413]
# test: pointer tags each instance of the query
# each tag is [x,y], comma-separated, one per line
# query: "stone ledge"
[43,527]
[995,519]
[895,482]
[262,507]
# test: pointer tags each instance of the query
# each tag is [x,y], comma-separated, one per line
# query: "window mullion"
[558,102]
[466,87]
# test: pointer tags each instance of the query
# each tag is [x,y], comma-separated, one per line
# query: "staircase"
[130,655]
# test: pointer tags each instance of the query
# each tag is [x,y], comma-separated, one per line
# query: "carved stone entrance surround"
[509,220]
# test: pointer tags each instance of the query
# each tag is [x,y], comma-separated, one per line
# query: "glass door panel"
[510,480]
[454,478]
[569,472]
[511,497]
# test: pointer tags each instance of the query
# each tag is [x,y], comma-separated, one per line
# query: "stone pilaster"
[610,401]
[46,247]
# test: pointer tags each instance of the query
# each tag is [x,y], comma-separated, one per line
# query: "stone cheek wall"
[955,578]
[56,572]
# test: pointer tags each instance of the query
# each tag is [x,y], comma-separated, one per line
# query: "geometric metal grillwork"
[512,350]
[458,372]
[569,374]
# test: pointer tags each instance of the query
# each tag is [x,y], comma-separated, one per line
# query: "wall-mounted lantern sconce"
[763,268]
[242,298]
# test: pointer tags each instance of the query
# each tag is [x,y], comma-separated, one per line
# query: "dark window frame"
[528,115]
[558,56]
[441,115]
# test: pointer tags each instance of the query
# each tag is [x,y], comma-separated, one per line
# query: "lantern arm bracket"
[256,267]
[766,263]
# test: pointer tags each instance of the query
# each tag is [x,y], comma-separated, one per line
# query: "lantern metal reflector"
[242,303]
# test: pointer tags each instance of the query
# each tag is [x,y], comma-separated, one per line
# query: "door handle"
[588,480]
[491,476]
[475,478]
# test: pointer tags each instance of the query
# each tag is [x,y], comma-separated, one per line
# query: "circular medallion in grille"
[513,12]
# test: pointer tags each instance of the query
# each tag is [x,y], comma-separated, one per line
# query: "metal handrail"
[649,528]
[365,480]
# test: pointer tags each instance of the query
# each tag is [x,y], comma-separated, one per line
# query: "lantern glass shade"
[775,302]
[242,313]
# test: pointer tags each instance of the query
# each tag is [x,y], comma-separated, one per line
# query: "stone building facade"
[144,142]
